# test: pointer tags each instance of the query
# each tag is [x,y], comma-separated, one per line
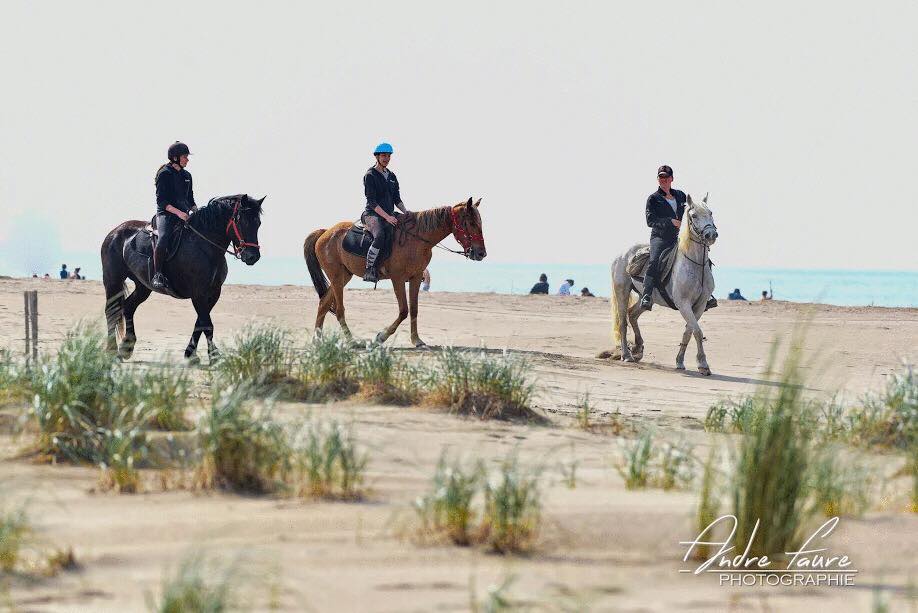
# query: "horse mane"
[431,219]
[685,232]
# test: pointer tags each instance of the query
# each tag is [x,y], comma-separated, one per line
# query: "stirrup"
[712,303]
[646,303]
[159,281]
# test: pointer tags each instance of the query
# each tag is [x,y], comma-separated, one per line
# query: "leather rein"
[693,232]
[462,236]
[238,243]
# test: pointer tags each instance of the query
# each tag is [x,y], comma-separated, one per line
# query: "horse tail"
[120,322]
[618,302]
[319,282]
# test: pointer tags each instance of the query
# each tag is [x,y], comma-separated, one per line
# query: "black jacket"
[660,214]
[173,187]
[539,288]
[380,192]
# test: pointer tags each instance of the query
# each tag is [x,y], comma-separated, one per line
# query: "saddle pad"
[637,265]
[142,242]
[357,242]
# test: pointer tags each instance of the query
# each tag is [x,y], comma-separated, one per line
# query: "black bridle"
[238,242]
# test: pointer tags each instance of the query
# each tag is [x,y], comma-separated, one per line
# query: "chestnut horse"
[413,243]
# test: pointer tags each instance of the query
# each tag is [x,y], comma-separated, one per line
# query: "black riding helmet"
[176,150]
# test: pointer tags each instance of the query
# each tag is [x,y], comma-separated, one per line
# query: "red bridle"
[463,236]
[239,244]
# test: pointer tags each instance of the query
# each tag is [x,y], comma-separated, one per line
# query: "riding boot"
[371,275]
[712,302]
[159,280]
[647,295]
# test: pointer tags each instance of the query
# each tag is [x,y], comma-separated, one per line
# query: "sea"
[839,287]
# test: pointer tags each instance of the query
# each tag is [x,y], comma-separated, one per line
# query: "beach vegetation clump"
[645,463]
[164,389]
[584,412]
[635,465]
[14,532]
[676,466]
[770,483]
[890,418]
[198,585]
[329,463]
[447,509]
[512,508]
[484,385]
[261,357]
[387,377]
[468,505]
[326,369]
[242,450]
[837,485]
[730,415]
[14,378]
[708,502]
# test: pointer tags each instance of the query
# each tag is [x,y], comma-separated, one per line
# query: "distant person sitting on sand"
[542,286]
[735,295]
[63,273]
[47,276]
[586,293]
[565,289]
[766,295]
[75,275]
[425,281]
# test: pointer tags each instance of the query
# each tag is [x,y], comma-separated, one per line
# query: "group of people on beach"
[565,290]
[64,274]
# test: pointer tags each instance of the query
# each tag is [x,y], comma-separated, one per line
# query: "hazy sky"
[798,117]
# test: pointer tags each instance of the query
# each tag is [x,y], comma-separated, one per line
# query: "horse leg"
[202,308]
[680,357]
[325,305]
[414,284]
[114,310]
[633,313]
[619,302]
[338,281]
[213,354]
[138,296]
[398,286]
[702,359]
[691,324]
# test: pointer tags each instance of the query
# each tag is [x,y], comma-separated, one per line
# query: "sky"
[799,118]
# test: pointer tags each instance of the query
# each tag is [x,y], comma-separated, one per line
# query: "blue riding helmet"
[382,148]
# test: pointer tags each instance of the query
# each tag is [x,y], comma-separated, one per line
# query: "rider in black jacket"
[174,203]
[663,211]
[381,189]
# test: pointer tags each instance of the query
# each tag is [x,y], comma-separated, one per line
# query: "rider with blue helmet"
[381,188]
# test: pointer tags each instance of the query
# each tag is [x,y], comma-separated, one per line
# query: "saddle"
[358,239]
[637,265]
[138,251]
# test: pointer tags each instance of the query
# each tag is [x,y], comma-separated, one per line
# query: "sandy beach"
[602,547]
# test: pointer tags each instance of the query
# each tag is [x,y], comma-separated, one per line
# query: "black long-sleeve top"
[173,187]
[380,191]
[660,214]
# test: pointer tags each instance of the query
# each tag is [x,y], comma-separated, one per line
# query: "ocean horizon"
[888,288]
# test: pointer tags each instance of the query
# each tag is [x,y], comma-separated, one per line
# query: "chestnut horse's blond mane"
[432,219]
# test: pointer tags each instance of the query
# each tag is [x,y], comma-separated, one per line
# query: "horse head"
[467,229]
[242,227]
[701,220]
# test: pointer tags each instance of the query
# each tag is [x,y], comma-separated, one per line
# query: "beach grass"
[484,385]
[261,357]
[326,369]
[243,449]
[676,466]
[14,533]
[770,475]
[447,510]
[164,389]
[512,507]
[329,462]
[839,485]
[708,501]
[387,377]
[634,467]
[198,585]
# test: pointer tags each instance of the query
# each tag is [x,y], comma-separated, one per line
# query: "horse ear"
[705,199]
[469,203]
[477,202]
[262,200]
[688,200]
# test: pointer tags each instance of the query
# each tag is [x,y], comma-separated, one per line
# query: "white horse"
[689,286]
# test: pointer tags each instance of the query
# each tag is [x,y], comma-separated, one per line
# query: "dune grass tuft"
[261,357]
[635,466]
[198,585]
[770,478]
[242,450]
[329,463]
[839,485]
[708,501]
[14,532]
[387,377]
[447,509]
[326,369]
[512,508]
[165,390]
[482,384]
[14,378]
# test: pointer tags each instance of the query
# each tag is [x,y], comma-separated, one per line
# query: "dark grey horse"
[196,267]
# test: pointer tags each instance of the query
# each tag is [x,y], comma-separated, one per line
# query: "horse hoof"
[628,358]
[125,354]
[380,339]
[192,360]
[419,344]
[214,356]
[705,371]
[680,366]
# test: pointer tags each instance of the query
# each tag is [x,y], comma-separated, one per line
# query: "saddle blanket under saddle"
[358,239]
[637,265]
